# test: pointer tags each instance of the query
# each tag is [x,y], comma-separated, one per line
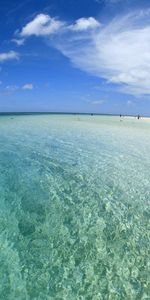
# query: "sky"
[89,56]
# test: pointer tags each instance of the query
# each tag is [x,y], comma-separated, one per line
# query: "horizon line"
[69,113]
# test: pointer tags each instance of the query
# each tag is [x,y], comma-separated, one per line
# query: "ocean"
[74,207]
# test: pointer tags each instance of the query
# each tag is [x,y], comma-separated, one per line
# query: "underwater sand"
[74,207]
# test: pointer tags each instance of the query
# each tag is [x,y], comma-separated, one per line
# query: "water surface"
[74,207]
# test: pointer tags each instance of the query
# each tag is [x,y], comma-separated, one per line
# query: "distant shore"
[135,117]
[147,118]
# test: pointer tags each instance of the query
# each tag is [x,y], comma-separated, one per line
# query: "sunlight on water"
[74,208]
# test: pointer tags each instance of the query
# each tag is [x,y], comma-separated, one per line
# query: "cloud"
[118,51]
[45,25]
[97,102]
[19,42]
[84,24]
[12,88]
[28,86]
[41,25]
[9,90]
[8,56]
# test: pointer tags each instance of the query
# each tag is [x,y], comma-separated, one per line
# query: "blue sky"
[75,56]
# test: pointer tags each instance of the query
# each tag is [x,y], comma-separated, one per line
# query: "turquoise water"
[74,207]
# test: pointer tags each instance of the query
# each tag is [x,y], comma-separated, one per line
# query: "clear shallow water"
[74,208]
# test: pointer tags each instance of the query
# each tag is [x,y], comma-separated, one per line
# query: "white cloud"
[28,86]
[97,102]
[41,25]
[19,42]
[84,24]
[8,56]
[10,89]
[119,52]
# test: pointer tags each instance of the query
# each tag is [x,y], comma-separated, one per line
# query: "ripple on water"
[74,209]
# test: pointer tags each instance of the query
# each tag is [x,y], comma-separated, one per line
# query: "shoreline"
[76,113]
